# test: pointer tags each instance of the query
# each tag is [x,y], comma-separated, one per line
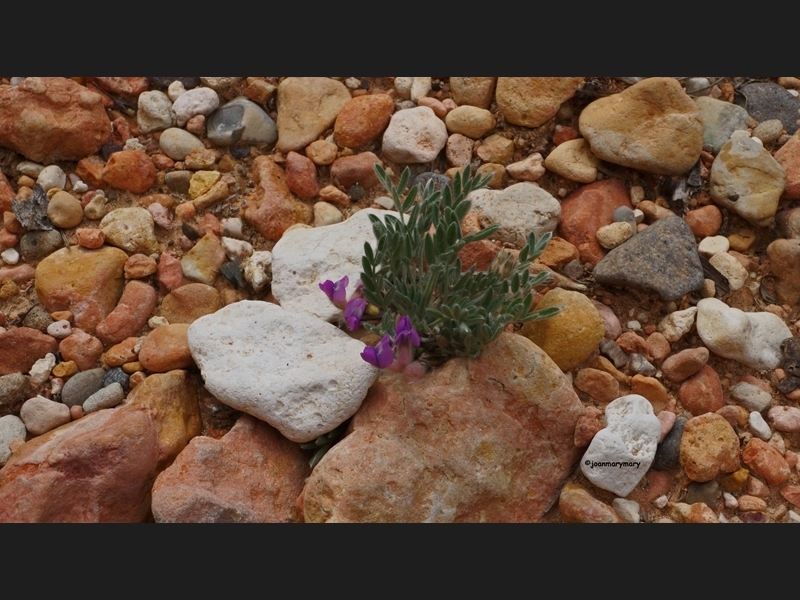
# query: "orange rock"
[358,168]
[709,446]
[578,506]
[362,120]
[301,175]
[130,170]
[21,347]
[131,313]
[166,348]
[766,462]
[82,348]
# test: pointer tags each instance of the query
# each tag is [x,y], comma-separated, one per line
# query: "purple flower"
[353,313]
[381,355]
[405,337]
[337,292]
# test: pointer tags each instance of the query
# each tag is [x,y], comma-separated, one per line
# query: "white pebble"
[134,144]
[51,177]
[233,227]
[40,370]
[353,83]
[155,322]
[175,89]
[59,329]
[628,510]
[236,248]
[199,101]
[258,269]
[709,246]
[635,325]
[384,202]
[793,516]
[759,426]
[10,256]
[402,86]
[660,502]
[730,500]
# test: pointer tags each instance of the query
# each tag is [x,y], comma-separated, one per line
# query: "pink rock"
[201,486]
[667,420]
[792,494]
[586,210]
[130,170]
[702,392]
[611,321]
[81,347]
[657,346]
[170,273]
[20,347]
[17,274]
[98,469]
[631,342]
[579,506]
[273,209]
[785,418]
[685,363]
[48,119]
[475,440]
[788,156]
[90,238]
[160,215]
[766,462]
[358,168]
[301,175]
[134,308]
[589,423]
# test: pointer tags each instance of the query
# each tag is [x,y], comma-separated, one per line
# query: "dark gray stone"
[37,318]
[241,121]
[36,245]
[668,451]
[14,390]
[765,101]
[117,375]
[439,181]
[663,259]
[708,493]
[82,385]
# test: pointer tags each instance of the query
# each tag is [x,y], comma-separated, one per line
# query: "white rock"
[134,144]
[751,396]
[677,324]
[11,428]
[660,502]
[628,510]
[326,213]
[40,370]
[420,88]
[402,86]
[620,455]
[233,227]
[711,245]
[59,329]
[730,500]
[131,228]
[753,339]
[108,397]
[51,177]
[518,210]
[198,101]
[257,269]
[154,112]
[614,234]
[305,257]
[236,248]
[530,168]
[10,256]
[175,89]
[415,135]
[793,516]
[729,266]
[298,373]
[40,415]
[96,209]
[759,426]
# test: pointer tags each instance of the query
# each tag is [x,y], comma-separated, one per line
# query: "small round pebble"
[59,329]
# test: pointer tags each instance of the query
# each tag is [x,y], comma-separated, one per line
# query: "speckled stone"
[709,446]
[767,100]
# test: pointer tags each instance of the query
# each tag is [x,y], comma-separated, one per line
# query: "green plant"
[415,271]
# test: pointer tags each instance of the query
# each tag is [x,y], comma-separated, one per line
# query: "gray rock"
[720,120]
[241,121]
[116,375]
[668,453]
[663,259]
[751,396]
[767,101]
[178,181]
[36,245]
[708,493]
[11,428]
[623,214]
[107,397]
[178,143]
[82,385]
[38,318]
[14,390]
[639,364]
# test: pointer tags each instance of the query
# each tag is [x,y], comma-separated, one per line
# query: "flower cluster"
[353,308]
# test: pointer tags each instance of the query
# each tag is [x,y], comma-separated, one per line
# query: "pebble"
[301,175]
[362,120]
[573,160]
[82,348]
[326,214]
[578,506]
[720,120]
[470,121]
[165,349]
[203,261]
[321,152]
[532,101]
[587,426]
[705,221]
[108,397]
[628,510]
[710,246]
[531,168]
[788,156]
[751,396]
[768,131]
[638,364]
[12,429]
[766,462]
[82,385]
[52,176]
[154,112]
[177,143]
[707,492]
[684,364]
[752,339]
[59,329]
[759,426]
[702,392]
[668,452]
[615,234]
[496,149]
[190,302]
[198,101]
[241,122]
[9,256]
[36,245]
[21,347]
[598,384]
[620,455]
[476,91]
[307,107]
[130,170]
[667,420]
[134,307]
[41,415]
[784,258]
[785,418]
[139,266]
[131,229]
[258,269]
[678,323]
[767,100]
[415,135]
[348,171]
[709,446]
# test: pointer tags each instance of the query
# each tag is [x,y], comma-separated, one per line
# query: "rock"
[139,266]
[709,446]
[509,469]
[652,125]
[307,391]
[767,100]
[321,152]
[107,397]
[476,91]
[579,506]
[190,302]
[15,388]
[702,392]
[241,122]
[37,245]
[129,87]
[751,396]
[627,509]
[746,179]
[529,169]
[663,259]
[758,426]
[752,339]
[784,260]
[357,169]
[705,221]
[12,430]
[587,209]
[258,269]
[573,160]
[691,513]
[64,210]
[785,418]
[519,209]
[684,364]
[766,462]
[598,384]
[40,415]
[155,112]
[570,336]
[326,214]
[82,385]
[678,323]
[198,101]
[589,423]
[201,487]
[49,119]
[166,348]
[768,131]
[414,135]
[301,175]
[708,493]
[532,101]
[82,348]
[51,177]
[362,120]
[274,209]
[178,143]
[615,234]
[21,347]
[788,157]
[720,120]
[170,273]
[470,121]
[620,455]
[131,229]
[668,452]
[204,260]
[131,313]
[307,106]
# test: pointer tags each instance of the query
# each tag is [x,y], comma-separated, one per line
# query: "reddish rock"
[792,494]
[130,87]
[99,469]
[87,282]
[766,462]
[598,384]
[589,423]
[586,210]
[7,194]
[705,221]
[358,168]
[120,130]
[201,486]
[8,239]
[273,209]
[488,439]
[20,347]
[788,156]
[362,120]
[685,363]
[90,170]
[170,273]
[90,238]
[130,170]
[709,446]
[139,266]
[190,302]
[131,313]
[166,348]
[632,342]
[579,506]
[18,274]
[702,392]
[481,254]
[657,346]
[121,353]
[82,348]
[48,119]
[301,175]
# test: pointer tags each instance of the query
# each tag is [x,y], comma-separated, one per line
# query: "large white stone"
[414,135]
[306,256]
[518,210]
[753,339]
[620,455]
[298,373]
[197,101]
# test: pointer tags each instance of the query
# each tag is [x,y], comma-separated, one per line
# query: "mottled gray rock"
[241,121]
[707,492]
[35,245]
[154,112]
[769,100]
[14,390]
[720,120]
[751,396]
[107,397]
[663,259]
[199,101]
[82,385]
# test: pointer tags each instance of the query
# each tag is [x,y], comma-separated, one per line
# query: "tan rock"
[190,302]
[698,512]
[201,182]
[598,384]
[529,169]
[470,121]
[203,261]
[573,160]
[496,149]
[131,229]
[652,389]
[130,170]
[709,446]
[321,152]
[532,101]
[307,106]
[476,91]
[64,210]
[578,506]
